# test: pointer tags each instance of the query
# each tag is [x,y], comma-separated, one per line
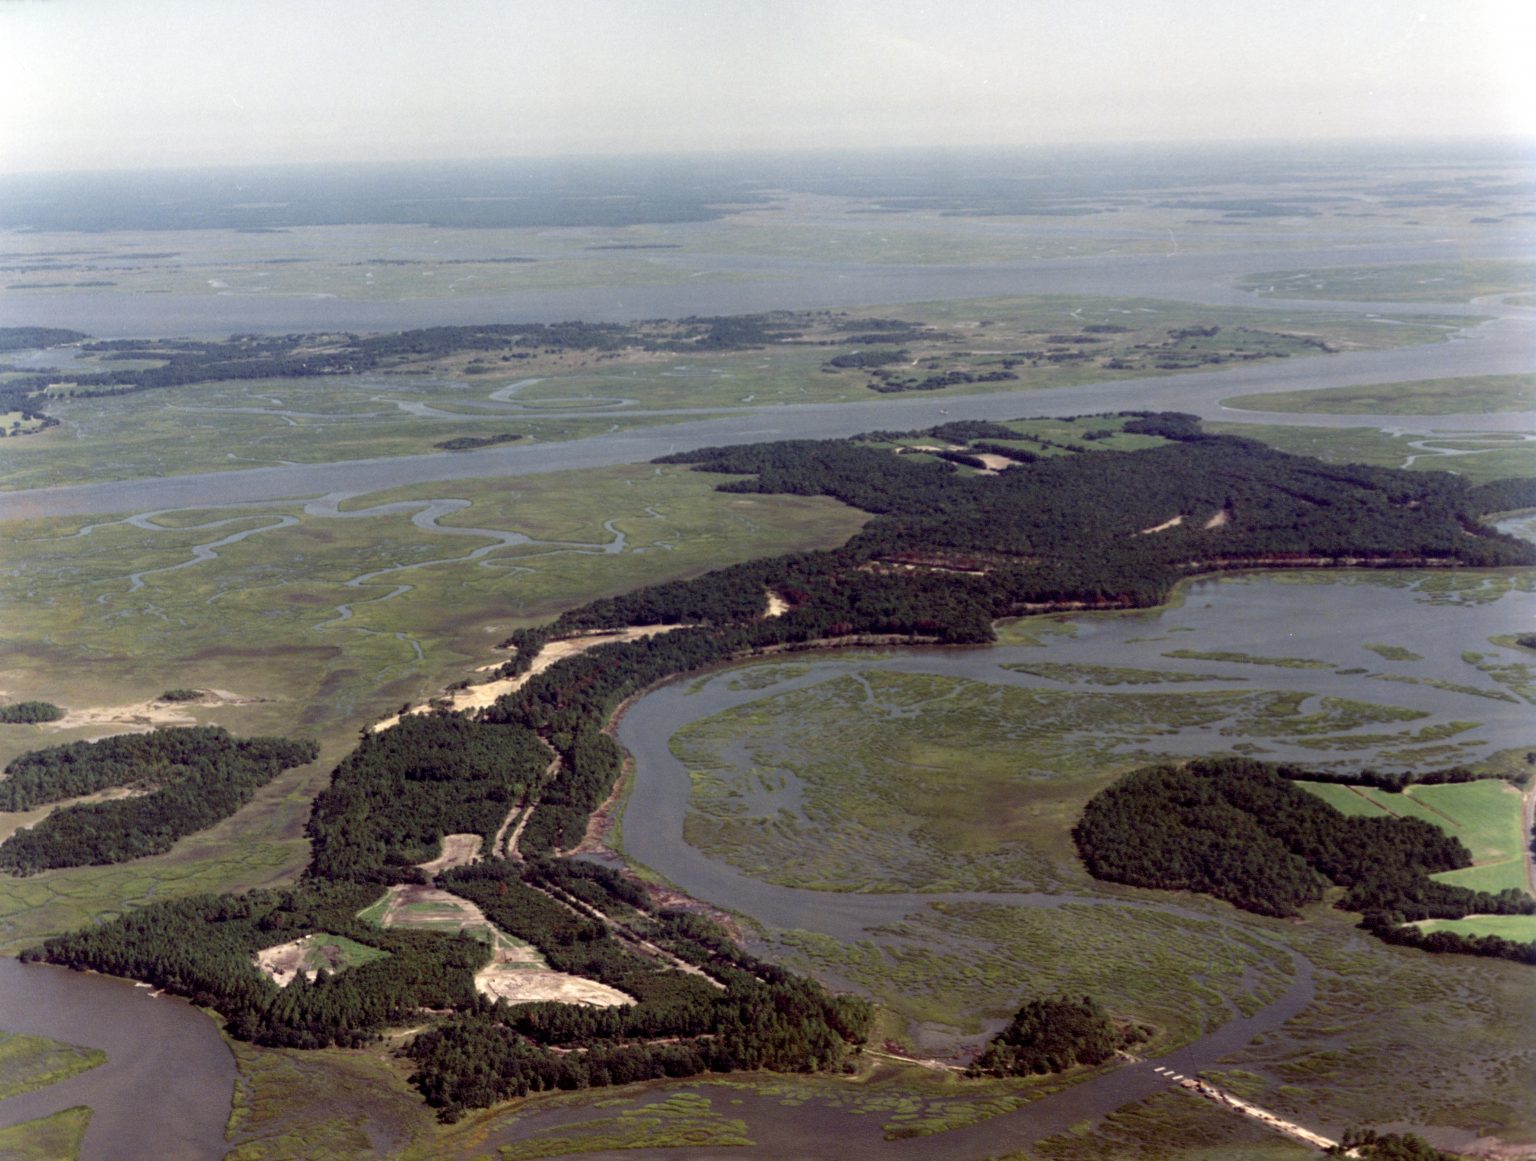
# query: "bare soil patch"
[523,985]
[141,717]
[284,962]
[995,463]
[459,850]
[484,695]
[517,971]
[13,821]
[1164,526]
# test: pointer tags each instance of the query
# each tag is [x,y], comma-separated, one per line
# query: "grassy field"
[686,1119]
[1407,282]
[945,970]
[1486,816]
[1455,1031]
[1172,1124]
[348,1105]
[880,781]
[1469,396]
[1520,928]
[261,423]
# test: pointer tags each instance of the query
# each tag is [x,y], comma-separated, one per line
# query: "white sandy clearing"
[484,695]
[1220,520]
[995,463]
[1166,524]
[141,717]
[283,962]
[777,606]
[459,850]
[521,984]
[516,972]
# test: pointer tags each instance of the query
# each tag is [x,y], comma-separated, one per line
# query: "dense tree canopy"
[186,779]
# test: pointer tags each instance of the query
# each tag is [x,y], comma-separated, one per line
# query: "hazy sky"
[94,84]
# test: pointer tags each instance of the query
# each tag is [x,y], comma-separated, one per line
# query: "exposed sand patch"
[1220,520]
[283,963]
[516,972]
[1164,526]
[459,850]
[141,717]
[777,606]
[995,463]
[485,695]
[525,985]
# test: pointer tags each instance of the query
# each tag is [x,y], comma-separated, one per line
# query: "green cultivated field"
[1469,396]
[1521,928]
[1485,816]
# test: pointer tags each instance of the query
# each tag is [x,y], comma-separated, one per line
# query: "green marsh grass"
[57,1137]
[32,1062]
[1459,281]
[1466,396]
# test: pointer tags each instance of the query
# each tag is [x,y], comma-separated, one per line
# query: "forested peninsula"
[969,523]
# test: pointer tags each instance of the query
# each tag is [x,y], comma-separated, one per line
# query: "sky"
[124,84]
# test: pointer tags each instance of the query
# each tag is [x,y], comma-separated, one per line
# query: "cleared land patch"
[486,692]
[312,955]
[516,973]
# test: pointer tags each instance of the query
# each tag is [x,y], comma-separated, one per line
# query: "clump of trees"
[393,798]
[29,713]
[1053,1035]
